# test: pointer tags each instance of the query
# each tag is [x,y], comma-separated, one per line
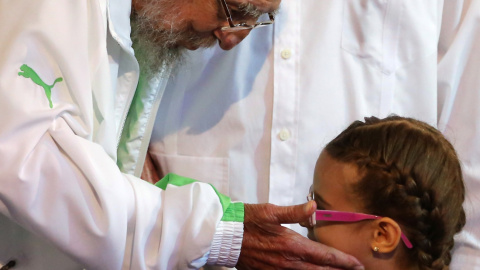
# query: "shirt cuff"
[226,245]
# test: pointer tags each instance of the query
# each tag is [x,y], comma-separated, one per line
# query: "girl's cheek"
[318,234]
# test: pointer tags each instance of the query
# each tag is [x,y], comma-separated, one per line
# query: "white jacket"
[66,83]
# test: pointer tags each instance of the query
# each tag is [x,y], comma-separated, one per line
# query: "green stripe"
[224,200]
[231,211]
[235,212]
[175,180]
[126,160]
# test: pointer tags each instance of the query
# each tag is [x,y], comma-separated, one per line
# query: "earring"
[376,249]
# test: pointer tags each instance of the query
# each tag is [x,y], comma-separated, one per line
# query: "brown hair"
[410,173]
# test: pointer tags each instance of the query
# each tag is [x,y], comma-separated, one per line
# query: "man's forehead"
[263,6]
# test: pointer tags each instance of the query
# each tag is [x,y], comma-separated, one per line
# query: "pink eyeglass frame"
[340,216]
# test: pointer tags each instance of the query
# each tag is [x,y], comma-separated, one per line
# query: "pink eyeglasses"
[340,216]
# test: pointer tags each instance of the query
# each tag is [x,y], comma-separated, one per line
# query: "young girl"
[389,192]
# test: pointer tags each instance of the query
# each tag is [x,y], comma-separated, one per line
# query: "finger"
[294,214]
[305,224]
[323,255]
[310,266]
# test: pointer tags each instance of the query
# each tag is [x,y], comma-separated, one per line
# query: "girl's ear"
[386,235]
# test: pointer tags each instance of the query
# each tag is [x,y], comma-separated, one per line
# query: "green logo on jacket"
[28,72]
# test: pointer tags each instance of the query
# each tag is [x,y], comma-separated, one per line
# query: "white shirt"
[257,117]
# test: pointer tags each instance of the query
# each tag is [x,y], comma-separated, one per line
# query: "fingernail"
[308,206]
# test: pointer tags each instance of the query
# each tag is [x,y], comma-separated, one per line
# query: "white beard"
[156,48]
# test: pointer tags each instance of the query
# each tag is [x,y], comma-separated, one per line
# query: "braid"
[411,174]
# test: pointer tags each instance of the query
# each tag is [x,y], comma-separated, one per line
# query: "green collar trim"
[235,212]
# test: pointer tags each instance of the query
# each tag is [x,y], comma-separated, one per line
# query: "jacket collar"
[119,22]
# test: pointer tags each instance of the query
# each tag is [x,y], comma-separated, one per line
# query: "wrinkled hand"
[268,245]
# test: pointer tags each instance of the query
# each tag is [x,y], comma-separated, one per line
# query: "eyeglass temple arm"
[271,17]
[406,241]
[341,216]
[227,13]
[352,217]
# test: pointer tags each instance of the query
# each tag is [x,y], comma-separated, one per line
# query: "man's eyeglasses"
[340,216]
[242,26]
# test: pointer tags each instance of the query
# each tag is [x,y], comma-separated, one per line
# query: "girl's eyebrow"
[320,199]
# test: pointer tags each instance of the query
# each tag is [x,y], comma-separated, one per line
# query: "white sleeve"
[59,182]
[459,113]
[107,220]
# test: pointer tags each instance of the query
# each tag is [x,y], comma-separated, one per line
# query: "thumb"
[296,213]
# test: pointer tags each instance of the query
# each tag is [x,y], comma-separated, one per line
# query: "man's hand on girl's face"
[268,245]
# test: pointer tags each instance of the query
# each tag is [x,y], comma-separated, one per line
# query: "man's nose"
[228,40]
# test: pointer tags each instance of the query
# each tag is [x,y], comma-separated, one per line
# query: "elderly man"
[76,116]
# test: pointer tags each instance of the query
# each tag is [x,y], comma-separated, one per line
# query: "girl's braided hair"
[411,174]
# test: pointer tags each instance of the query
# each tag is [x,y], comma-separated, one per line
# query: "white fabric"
[221,256]
[258,116]
[64,204]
